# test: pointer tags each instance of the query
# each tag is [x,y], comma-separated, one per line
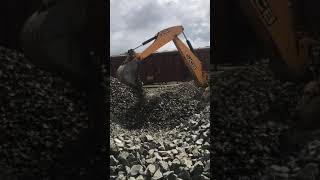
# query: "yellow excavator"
[127,72]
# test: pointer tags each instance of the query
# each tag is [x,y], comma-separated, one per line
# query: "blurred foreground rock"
[250,109]
[39,112]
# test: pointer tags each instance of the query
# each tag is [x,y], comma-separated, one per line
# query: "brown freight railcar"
[163,66]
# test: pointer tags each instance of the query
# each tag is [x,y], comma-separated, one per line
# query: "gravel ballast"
[40,113]
[167,137]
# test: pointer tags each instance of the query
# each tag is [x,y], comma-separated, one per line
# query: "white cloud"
[133,22]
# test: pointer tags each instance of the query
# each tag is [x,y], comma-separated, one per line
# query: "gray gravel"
[171,140]
[163,110]
[166,138]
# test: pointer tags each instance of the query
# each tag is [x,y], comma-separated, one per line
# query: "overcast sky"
[133,22]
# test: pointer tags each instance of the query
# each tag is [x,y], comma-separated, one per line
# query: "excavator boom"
[162,38]
[127,72]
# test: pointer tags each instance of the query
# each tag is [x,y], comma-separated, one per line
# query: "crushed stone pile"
[162,111]
[249,110]
[39,113]
[171,140]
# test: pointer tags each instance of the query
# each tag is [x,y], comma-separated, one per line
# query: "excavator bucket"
[127,73]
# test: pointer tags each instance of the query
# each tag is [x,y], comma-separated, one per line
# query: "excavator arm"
[127,72]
